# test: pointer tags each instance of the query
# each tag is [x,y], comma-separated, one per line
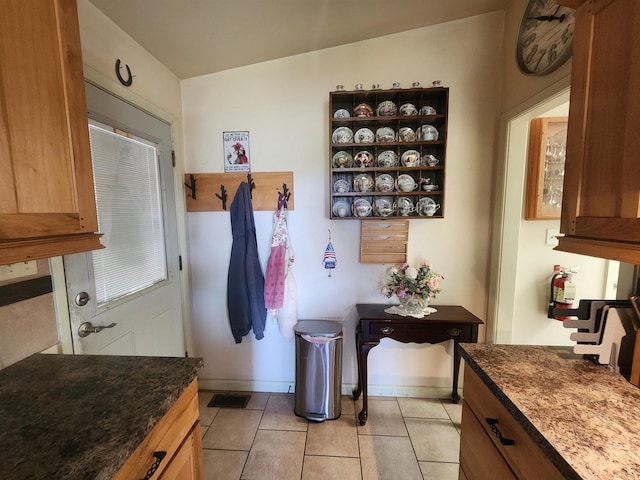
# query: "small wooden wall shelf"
[384,241]
[208,190]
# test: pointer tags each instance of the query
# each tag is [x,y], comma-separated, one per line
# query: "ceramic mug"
[341,211]
[429,187]
[427,110]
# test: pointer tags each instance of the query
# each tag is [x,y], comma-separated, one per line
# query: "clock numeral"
[529,40]
[529,58]
[553,54]
[566,35]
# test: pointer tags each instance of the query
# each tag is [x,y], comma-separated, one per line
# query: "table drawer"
[416,332]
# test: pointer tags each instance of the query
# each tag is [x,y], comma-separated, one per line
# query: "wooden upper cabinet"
[601,204]
[47,202]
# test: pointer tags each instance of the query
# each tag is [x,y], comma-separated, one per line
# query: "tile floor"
[404,439]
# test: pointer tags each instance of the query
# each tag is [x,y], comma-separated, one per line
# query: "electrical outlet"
[551,239]
[17,270]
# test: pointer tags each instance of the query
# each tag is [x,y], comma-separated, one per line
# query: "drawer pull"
[454,332]
[387,330]
[493,423]
[159,456]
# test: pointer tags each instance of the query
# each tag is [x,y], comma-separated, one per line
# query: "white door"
[126,298]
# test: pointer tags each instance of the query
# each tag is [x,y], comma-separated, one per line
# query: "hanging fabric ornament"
[329,261]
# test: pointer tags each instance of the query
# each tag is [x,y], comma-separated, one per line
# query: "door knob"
[82,299]
[87,328]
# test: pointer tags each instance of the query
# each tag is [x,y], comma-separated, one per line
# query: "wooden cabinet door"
[46,178]
[186,464]
[601,205]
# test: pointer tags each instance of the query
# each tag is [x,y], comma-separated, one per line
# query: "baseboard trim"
[346,389]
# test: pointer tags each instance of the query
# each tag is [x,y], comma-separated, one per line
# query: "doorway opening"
[525,262]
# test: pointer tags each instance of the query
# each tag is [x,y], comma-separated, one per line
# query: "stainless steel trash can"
[318,369]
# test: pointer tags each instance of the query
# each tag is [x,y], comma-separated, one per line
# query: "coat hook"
[128,81]
[192,187]
[285,195]
[252,185]
[223,197]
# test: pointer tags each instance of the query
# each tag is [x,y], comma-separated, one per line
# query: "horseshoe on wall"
[128,81]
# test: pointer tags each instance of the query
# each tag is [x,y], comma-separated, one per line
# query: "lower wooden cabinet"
[173,449]
[186,464]
[493,445]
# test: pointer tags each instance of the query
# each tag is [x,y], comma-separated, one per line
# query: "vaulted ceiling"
[198,37]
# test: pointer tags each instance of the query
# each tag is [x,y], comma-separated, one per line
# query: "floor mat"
[229,400]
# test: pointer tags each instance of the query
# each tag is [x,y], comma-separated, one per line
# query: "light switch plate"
[551,239]
[17,270]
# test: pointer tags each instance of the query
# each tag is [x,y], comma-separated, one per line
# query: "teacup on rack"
[341,186]
[363,183]
[383,207]
[430,161]
[427,207]
[404,205]
[384,183]
[428,133]
[428,187]
[406,183]
[410,158]
[361,208]
[406,134]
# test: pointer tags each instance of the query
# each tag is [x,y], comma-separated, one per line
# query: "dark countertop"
[583,417]
[82,416]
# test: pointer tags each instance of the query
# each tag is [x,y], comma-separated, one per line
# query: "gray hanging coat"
[245,287]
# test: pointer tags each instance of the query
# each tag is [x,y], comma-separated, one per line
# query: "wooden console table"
[448,323]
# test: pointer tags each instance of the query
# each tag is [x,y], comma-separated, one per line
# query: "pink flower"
[401,293]
[403,267]
[433,283]
[425,263]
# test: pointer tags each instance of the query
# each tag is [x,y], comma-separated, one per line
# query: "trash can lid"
[318,328]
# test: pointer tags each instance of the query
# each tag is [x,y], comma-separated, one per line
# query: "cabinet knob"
[387,330]
[454,332]
[493,423]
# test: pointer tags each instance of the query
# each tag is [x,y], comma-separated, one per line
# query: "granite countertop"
[585,418]
[82,416]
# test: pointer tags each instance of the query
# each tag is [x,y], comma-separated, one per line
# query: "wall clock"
[545,37]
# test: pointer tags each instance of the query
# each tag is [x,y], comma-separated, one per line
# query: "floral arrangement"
[404,281]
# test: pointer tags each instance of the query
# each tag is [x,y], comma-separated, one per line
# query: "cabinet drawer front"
[166,436]
[416,332]
[479,458]
[524,456]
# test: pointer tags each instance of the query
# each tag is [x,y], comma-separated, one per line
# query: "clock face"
[545,37]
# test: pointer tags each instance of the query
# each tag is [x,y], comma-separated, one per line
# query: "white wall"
[284,105]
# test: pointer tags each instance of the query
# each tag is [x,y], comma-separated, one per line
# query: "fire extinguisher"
[562,290]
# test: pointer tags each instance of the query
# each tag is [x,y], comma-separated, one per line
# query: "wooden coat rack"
[210,192]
